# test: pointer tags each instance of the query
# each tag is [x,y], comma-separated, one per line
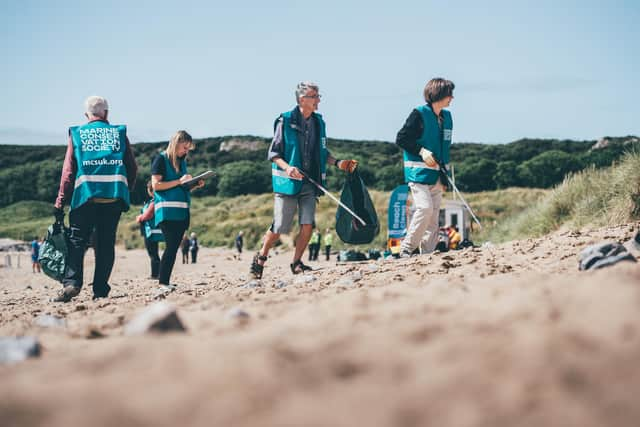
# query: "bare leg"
[302,239]
[269,239]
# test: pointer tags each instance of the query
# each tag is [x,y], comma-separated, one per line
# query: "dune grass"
[602,197]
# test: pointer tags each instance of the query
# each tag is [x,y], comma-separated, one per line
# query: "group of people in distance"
[99,168]
[315,242]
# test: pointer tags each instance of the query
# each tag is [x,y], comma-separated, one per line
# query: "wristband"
[336,162]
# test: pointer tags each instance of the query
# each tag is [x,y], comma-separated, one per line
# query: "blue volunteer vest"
[172,204]
[151,231]
[433,139]
[282,183]
[99,150]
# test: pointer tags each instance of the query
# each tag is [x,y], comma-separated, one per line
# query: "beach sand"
[504,335]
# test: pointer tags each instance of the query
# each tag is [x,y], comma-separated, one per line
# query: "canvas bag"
[53,252]
[356,197]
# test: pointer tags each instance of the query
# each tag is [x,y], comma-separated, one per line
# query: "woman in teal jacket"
[171,198]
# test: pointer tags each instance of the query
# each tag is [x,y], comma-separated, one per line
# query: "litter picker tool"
[332,197]
[443,171]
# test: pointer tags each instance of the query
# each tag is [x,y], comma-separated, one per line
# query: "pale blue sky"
[543,69]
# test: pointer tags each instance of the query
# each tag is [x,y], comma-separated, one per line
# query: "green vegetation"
[591,197]
[33,172]
[239,198]
[25,220]
[217,220]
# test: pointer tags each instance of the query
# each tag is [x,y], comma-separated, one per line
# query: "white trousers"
[423,230]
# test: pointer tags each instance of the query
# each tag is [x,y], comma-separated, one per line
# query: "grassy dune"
[588,198]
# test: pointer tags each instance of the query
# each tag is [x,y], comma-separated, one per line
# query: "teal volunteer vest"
[433,139]
[282,183]
[99,150]
[172,204]
[151,231]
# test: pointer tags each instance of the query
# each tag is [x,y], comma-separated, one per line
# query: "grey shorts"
[284,208]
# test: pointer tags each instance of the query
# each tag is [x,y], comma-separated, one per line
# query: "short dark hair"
[438,89]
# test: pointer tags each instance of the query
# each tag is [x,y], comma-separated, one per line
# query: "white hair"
[303,88]
[96,106]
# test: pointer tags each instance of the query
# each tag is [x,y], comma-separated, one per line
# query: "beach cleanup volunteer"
[171,199]
[151,233]
[98,170]
[328,241]
[299,147]
[426,139]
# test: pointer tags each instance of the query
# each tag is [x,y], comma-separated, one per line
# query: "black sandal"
[257,269]
[298,267]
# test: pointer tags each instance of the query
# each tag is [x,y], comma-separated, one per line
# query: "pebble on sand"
[17,349]
[160,317]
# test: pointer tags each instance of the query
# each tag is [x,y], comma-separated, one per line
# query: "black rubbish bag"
[356,197]
[54,251]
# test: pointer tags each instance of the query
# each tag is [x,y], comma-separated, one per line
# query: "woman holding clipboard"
[171,198]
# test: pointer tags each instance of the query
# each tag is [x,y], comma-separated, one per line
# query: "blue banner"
[398,212]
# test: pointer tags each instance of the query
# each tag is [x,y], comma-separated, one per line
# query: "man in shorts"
[298,150]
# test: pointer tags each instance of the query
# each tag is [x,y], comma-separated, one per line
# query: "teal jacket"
[434,139]
[281,182]
[172,204]
[99,150]
[151,231]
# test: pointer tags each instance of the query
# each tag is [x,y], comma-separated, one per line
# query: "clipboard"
[188,185]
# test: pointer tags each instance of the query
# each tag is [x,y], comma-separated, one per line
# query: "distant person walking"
[184,248]
[314,245]
[299,147]
[150,232]
[98,170]
[425,139]
[328,241]
[239,242]
[35,252]
[172,199]
[194,248]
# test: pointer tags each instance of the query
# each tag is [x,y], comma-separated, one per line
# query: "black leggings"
[173,232]
[152,250]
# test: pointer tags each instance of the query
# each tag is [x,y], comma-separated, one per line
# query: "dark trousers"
[314,249]
[173,232]
[185,256]
[152,250]
[327,251]
[194,256]
[102,218]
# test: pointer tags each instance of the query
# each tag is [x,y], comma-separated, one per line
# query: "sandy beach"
[504,335]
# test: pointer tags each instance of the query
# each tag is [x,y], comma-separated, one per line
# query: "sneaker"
[67,293]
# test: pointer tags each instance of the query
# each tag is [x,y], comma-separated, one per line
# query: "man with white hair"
[298,150]
[98,170]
